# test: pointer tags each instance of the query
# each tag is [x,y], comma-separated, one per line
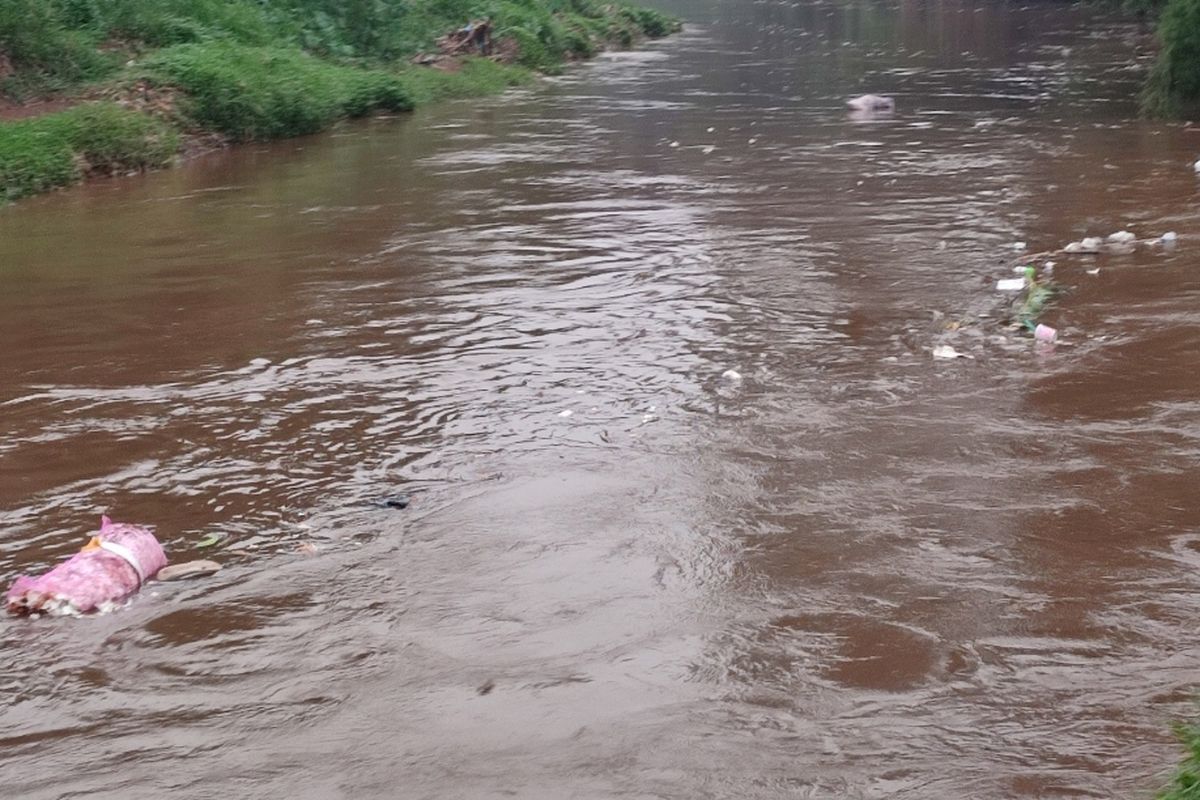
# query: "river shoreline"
[187,100]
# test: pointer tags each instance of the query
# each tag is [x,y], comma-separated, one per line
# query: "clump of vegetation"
[60,149]
[478,76]
[40,53]
[251,92]
[1186,783]
[1174,84]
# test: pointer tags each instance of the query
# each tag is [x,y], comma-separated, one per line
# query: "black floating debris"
[394,501]
[486,687]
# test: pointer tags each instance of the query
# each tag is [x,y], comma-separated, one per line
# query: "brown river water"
[859,572]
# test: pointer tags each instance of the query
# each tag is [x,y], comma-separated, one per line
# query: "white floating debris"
[1095,271]
[1010,285]
[946,351]
[710,129]
[260,362]
[1018,246]
[1091,244]
[1196,166]
[1048,267]
[647,418]
[674,144]
[708,150]
[752,140]
[732,375]
[566,413]
[1122,237]
[1044,333]
[871,102]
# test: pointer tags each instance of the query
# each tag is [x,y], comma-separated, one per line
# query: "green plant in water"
[1037,296]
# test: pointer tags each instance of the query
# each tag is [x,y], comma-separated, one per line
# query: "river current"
[850,571]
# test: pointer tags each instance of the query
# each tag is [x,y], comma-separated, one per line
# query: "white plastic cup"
[1044,333]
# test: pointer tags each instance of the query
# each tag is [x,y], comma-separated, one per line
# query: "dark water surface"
[857,573]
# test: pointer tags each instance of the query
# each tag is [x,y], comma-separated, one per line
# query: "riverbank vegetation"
[96,138]
[165,71]
[1185,785]
[1173,88]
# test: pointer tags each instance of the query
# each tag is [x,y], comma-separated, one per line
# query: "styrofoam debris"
[946,351]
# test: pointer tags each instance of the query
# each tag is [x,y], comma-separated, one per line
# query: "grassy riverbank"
[149,74]
[1173,88]
[1185,785]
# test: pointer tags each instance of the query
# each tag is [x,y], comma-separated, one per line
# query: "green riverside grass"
[1185,785]
[257,69]
[250,92]
[59,149]
[1173,88]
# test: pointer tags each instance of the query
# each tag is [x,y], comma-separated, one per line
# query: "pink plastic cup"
[1044,333]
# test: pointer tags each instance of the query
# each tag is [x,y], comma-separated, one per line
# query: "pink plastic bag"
[112,566]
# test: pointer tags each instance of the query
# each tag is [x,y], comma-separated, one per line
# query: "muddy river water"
[857,572]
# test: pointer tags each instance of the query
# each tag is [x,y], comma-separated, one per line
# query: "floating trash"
[871,102]
[1095,271]
[1044,333]
[732,375]
[111,566]
[1122,237]
[210,540]
[394,501]
[565,414]
[947,352]
[188,569]
[1011,284]
[1091,244]
[1036,298]
[1018,246]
